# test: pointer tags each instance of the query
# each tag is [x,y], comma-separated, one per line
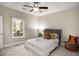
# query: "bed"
[42,45]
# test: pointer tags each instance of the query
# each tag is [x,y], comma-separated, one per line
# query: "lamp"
[41,30]
[35,9]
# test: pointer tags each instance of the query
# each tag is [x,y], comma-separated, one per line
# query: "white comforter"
[42,46]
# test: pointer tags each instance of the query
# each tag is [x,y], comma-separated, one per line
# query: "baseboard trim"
[8,45]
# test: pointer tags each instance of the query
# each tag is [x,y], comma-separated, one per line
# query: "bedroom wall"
[7,13]
[67,20]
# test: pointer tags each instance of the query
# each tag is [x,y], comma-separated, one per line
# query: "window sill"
[18,37]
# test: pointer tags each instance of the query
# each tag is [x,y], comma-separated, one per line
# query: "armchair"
[72,43]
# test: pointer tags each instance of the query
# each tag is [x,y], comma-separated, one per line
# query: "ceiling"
[52,7]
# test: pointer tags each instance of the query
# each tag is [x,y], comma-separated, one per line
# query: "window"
[17,27]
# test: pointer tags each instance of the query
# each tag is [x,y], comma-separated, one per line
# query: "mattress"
[42,46]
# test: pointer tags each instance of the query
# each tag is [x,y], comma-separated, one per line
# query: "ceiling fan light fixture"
[35,9]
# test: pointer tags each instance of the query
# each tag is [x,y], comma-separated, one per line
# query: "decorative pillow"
[52,36]
[46,35]
[73,39]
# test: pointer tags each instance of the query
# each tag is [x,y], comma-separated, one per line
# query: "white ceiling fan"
[35,7]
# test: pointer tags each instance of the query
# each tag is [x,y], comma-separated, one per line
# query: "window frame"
[15,18]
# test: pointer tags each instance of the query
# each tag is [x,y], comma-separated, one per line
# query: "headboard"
[58,31]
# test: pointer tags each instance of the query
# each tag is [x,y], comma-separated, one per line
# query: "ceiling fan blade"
[24,9]
[31,10]
[28,6]
[43,7]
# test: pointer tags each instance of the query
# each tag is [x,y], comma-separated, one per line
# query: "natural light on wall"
[35,26]
[39,27]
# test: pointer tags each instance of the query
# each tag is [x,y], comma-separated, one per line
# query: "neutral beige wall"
[31,23]
[67,20]
[7,13]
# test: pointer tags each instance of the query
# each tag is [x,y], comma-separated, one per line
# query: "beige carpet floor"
[19,50]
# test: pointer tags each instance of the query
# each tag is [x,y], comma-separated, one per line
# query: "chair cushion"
[73,39]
